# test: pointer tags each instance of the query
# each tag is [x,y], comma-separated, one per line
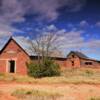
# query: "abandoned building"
[78,59]
[13,58]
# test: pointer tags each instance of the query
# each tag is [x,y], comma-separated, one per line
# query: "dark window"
[88,63]
[12,66]
[72,63]
[73,56]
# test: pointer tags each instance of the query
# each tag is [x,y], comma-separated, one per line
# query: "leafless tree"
[44,45]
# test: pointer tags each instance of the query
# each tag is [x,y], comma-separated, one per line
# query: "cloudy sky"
[77,20]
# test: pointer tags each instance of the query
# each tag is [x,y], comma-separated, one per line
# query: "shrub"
[50,68]
[47,68]
[34,69]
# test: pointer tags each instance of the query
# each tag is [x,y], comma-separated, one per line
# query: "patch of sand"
[70,91]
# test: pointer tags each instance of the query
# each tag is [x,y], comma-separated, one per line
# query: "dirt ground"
[70,91]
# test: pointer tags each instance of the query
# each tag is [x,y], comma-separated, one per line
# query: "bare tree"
[44,45]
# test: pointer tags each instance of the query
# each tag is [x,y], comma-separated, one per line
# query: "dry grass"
[25,94]
[74,76]
[73,84]
[94,98]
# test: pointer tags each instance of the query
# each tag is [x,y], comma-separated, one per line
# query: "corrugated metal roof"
[82,56]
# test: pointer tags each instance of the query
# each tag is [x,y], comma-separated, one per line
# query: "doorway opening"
[12,66]
[72,63]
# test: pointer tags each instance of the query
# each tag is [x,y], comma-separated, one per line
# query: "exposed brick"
[18,55]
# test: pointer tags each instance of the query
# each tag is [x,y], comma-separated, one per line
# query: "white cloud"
[51,27]
[68,40]
[74,40]
[14,10]
[97,24]
[84,24]
[7,30]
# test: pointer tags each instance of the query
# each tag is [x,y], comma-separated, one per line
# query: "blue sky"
[77,20]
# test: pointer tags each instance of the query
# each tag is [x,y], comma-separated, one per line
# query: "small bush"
[1,74]
[48,68]
[34,69]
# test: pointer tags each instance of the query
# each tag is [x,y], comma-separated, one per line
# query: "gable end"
[11,39]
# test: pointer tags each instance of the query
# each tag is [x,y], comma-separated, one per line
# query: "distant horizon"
[77,20]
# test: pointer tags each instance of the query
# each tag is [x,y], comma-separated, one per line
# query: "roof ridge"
[11,38]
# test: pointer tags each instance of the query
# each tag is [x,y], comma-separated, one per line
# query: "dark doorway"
[72,63]
[12,66]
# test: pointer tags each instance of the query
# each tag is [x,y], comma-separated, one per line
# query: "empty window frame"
[72,63]
[88,63]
